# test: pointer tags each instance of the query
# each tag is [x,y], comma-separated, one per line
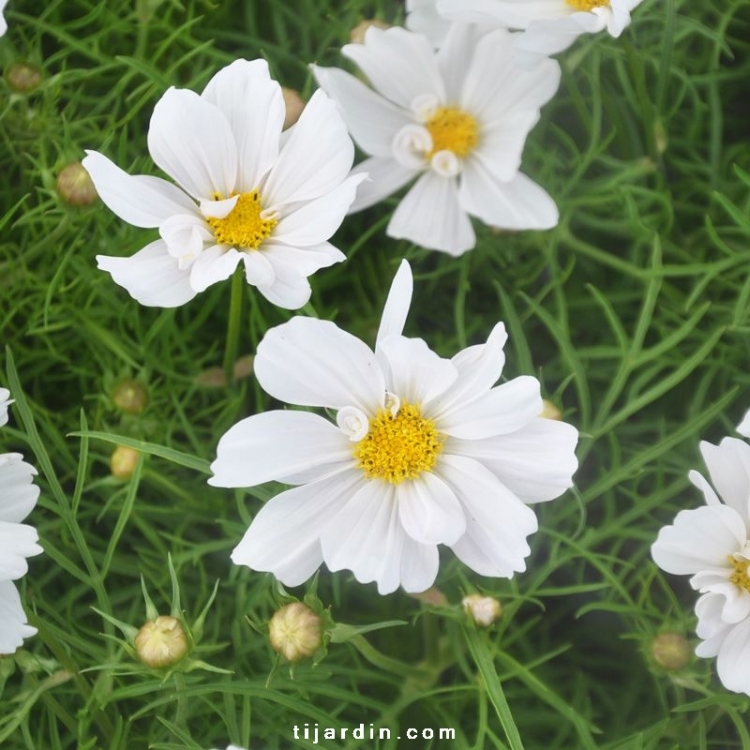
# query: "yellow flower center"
[587,5]
[243,226]
[740,578]
[452,130]
[400,447]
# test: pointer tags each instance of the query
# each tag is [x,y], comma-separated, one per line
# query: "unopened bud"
[23,77]
[75,186]
[671,651]
[161,642]
[295,631]
[357,34]
[484,610]
[130,396]
[294,105]
[550,411]
[123,461]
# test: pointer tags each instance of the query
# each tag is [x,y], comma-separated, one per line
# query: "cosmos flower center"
[740,577]
[244,226]
[452,130]
[400,446]
[587,5]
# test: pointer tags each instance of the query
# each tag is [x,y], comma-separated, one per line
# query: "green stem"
[486,665]
[233,328]
[385,662]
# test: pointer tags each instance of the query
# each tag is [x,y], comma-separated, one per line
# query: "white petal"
[140,200]
[456,55]
[413,371]
[384,177]
[367,537]
[254,107]
[185,235]
[543,38]
[744,426]
[259,271]
[397,304]
[699,481]
[312,362]
[214,264]
[733,663]
[510,90]
[13,627]
[729,468]
[5,402]
[191,140]
[17,542]
[519,204]
[479,368]
[314,160]
[497,522]
[429,510]
[151,276]
[372,120]
[289,287]
[699,539]
[502,410]
[17,493]
[400,65]
[316,221]
[430,215]
[514,14]
[284,537]
[270,446]
[536,463]
[423,18]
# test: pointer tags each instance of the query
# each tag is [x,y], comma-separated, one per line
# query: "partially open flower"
[671,651]
[161,642]
[123,461]
[130,396]
[295,631]
[75,186]
[484,610]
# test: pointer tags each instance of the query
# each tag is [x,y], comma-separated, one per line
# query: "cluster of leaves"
[633,313]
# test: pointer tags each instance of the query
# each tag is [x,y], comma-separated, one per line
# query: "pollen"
[741,577]
[398,447]
[243,226]
[452,130]
[587,5]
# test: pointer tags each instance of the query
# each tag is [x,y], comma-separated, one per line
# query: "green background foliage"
[633,313]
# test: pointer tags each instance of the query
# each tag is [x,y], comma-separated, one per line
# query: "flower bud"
[484,610]
[75,186]
[671,651]
[123,461]
[295,631]
[357,34]
[130,396]
[294,105]
[161,642]
[433,597]
[23,77]
[550,411]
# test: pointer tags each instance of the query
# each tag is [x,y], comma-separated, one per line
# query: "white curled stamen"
[424,106]
[446,163]
[353,423]
[392,403]
[411,146]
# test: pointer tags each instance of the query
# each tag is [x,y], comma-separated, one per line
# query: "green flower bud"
[295,632]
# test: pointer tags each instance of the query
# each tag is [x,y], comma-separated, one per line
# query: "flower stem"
[233,327]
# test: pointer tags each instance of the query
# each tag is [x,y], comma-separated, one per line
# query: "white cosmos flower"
[424,451]
[551,25]
[457,120]
[712,544]
[5,402]
[3,22]
[17,542]
[244,193]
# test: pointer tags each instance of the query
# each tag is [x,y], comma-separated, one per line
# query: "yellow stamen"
[452,130]
[398,447]
[243,226]
[587,5]
[741,577]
